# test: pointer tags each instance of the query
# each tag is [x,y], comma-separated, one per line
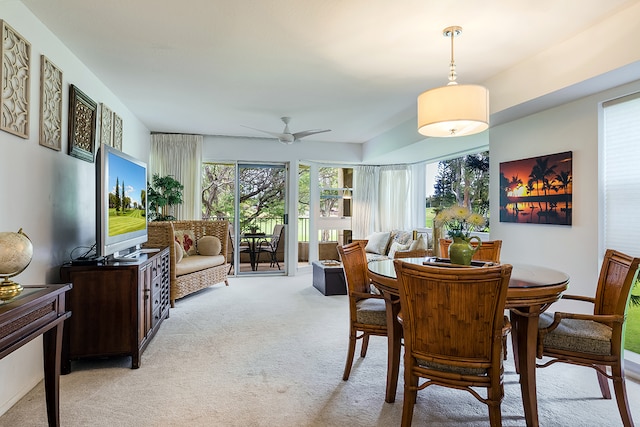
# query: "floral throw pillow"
[187,240]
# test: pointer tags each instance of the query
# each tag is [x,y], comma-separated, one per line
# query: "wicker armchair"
[209,270]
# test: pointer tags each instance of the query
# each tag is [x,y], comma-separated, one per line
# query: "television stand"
[117,307]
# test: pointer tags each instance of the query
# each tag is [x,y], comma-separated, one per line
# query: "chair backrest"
[453,316]
[617,276]
[354,263]
[276,237]
[489,250]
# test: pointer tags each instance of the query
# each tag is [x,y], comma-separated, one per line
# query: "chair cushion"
[377,242]
[209,245]
[449,368]
[371,311]
[585,336]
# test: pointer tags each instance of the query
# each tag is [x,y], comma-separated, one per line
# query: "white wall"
[48,193]
[574,249]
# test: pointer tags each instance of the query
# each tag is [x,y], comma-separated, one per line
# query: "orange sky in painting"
[522,169]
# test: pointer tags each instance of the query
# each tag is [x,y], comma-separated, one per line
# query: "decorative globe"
[16,252]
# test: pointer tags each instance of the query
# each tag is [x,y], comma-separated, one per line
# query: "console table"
[38,310]
[117,307]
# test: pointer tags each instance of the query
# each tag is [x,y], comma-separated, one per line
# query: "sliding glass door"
[253,198]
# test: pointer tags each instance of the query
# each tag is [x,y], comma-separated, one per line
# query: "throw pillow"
[377,242]
[187,239]
[419,244]
[395,247]
[179,251]
[209,245]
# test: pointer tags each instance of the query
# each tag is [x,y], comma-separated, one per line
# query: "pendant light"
[454,109]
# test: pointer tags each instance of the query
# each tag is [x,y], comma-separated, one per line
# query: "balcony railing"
[266,224]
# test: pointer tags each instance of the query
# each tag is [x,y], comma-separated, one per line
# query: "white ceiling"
[211,66]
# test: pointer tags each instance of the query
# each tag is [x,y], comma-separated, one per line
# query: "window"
[621,152]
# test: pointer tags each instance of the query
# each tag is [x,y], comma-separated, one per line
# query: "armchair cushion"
[195,263]
[209,245]
[377,242]
[584,336]
[371,311]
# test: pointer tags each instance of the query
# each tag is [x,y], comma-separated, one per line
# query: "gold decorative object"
[15,53]
[16,252]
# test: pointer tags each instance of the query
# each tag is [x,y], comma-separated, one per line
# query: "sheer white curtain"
[395,204]
[387,198]
[364,200]
[179,156]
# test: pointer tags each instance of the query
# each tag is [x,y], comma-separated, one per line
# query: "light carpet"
[270,351]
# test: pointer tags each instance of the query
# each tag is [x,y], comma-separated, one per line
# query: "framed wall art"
[537,190]
[117,131]
[82,124]
[50,104]
[106,125]
[15,52]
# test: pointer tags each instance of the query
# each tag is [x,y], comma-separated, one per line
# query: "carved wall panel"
[82,124]
[14,97]
[50,104]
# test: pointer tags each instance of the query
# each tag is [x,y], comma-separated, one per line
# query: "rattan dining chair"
[595,340]
[488,251]
[367,311]
[453,322]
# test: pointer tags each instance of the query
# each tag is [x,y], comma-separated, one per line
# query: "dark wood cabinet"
[117,307]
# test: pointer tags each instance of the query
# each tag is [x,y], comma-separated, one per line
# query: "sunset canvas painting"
[537,190]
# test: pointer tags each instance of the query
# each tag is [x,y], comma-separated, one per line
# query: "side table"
[329,279]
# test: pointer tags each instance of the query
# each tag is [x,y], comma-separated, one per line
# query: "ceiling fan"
[286,137]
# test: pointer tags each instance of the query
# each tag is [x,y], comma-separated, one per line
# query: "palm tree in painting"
[540,172]
[564,179]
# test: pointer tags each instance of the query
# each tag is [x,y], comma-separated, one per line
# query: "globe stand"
[9,289]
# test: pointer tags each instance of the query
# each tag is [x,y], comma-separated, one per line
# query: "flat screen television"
[121,211]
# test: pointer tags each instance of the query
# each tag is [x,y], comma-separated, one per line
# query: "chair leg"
[620,389]
[603,382]
[514,340]
[494,395]
[365,345]
[350,352]
[410,395]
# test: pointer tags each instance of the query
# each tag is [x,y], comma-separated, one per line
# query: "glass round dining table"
[532,289]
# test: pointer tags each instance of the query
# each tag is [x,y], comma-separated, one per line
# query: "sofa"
[398,244]
[198,253]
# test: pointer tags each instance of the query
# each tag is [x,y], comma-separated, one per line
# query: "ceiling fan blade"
[300,135]
[274,134]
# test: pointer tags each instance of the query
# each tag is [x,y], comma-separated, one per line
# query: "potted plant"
[164,193]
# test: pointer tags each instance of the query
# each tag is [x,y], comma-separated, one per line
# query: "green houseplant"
[164,193]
